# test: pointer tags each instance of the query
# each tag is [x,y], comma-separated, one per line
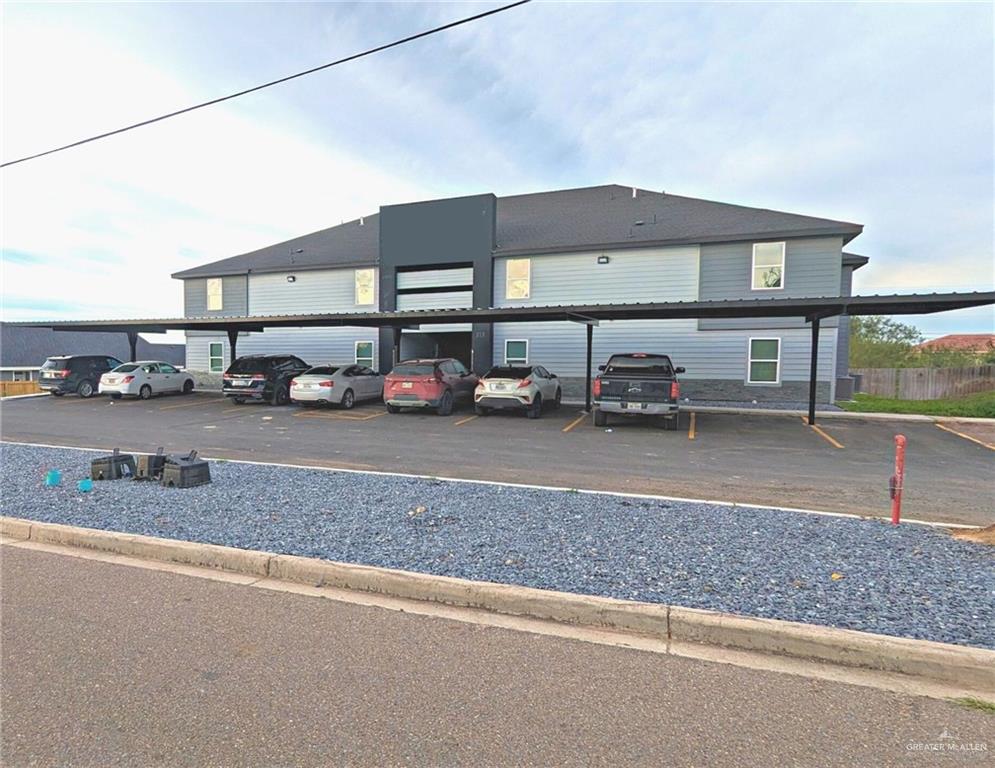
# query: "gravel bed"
[911,581]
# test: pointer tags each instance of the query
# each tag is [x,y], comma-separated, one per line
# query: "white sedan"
[343,385]
[144,379]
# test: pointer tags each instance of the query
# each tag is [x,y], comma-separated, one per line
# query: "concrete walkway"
[108,664]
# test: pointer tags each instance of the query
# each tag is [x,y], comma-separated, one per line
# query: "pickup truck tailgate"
[641,391]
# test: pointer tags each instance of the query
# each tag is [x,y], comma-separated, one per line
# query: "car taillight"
[596,388]
[61,374]
[326,383]
[259,377]
[675,390]
[525,383]
[127,379]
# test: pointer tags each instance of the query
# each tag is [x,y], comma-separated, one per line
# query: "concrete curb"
[968,668]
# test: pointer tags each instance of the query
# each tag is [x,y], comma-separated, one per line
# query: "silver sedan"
[343,385]
[144,379]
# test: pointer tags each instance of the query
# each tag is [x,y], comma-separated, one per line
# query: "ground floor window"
[364,353]
[22,376]
[516,352]
[216,357]
[765,361]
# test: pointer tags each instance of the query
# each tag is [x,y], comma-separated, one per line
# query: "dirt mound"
[980,535]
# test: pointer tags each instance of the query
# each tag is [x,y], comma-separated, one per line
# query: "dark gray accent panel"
[440,232]
[235,296]
[812,268]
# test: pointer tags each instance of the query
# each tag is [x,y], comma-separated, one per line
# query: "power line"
[271,83]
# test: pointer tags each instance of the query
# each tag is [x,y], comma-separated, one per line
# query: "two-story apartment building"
[596,245]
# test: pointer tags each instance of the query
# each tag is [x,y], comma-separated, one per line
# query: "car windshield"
[55,364]
[250,365]
[509,372]
[126,368]
[324,370]
[638,364]
[414,369]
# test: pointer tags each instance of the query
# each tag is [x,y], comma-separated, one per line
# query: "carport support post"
[813,370]
[587,383]
[233,342]
[133,343]
[396,336]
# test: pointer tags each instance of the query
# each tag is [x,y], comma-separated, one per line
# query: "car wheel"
[600,418]
[534,411]
[188,386]
[481,410]
[54,393]
[85,389]
[557,399]
[348,400]
[238,400]
[145,392]
[281,396]
[445,404]
[393,408]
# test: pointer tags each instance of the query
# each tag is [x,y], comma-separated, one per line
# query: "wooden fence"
[926,383]
[8,388]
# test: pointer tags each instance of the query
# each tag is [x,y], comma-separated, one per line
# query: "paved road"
[108,665]
[775,460]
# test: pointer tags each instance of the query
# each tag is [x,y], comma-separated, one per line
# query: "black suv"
[75,373]
[262,377]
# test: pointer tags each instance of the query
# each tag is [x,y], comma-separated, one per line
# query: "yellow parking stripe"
[575,422]
[691,428]
[464,421]
[945,428]
[212,401]
[828,438]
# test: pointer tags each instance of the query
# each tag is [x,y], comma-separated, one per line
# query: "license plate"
[406,385]
[306,386]
[501,387]
[111,381]
[238,383]
[633,406]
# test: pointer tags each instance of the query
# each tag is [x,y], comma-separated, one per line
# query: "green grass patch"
[972,703]
[980,405]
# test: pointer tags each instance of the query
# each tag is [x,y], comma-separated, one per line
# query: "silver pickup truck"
[638,383]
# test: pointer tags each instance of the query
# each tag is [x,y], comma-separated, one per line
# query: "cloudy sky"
[881,114]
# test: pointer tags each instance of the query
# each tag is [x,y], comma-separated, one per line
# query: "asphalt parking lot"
[843,466]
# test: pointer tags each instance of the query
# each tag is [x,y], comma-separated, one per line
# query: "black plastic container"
[185,471]
[114,467]
[150,465]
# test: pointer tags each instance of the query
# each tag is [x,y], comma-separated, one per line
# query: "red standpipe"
[898,480]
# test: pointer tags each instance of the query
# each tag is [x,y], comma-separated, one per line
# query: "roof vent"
[633,192]
[640,223]
[361,221]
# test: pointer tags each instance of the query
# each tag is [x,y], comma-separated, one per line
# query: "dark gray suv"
[78,374]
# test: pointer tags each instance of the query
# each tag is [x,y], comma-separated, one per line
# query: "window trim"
[373,285]
[750,361]
[210,357]
[525,360]
[220,293]
[507,280]
[373,353]
[784,270]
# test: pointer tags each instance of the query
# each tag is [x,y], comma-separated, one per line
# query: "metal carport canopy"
[812,309]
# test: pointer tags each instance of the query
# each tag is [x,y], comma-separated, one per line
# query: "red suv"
[439,384]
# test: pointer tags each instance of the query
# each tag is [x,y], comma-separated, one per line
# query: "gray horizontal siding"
[440,300]
[234,297]
[561,347]
[435,278]
[644,274]
[313,345]
[812,268]
[318,290]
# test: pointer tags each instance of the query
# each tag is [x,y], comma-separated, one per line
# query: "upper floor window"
[518,278]
[215,293]
[365,290]
[768,266]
